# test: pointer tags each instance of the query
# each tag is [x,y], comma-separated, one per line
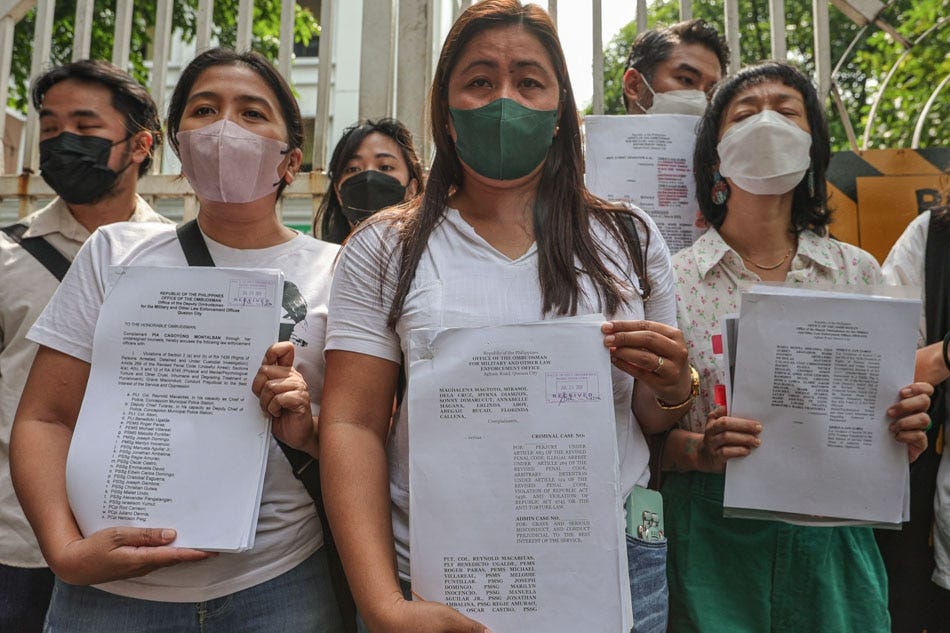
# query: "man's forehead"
[694,58]
[78,99]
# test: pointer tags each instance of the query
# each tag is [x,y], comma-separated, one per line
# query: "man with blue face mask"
[98,128]
[672,70]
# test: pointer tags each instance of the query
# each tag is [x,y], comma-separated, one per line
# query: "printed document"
[516,516]
[170,434]
[647,160]
[819,370]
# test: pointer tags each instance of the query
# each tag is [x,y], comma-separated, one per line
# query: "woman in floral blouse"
[761,155]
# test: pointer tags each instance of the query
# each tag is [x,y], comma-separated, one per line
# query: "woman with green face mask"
[505,233]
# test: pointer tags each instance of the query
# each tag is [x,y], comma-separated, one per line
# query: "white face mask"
[226,163]
[676,102]
[765,154]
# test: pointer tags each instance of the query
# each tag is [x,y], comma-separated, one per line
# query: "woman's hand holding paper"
[285,397]
[911,420]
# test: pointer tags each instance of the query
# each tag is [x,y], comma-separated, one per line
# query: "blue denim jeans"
[298,601]
[24,596]
[648,586]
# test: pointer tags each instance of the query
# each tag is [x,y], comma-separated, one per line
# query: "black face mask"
[367,192]
[77,166]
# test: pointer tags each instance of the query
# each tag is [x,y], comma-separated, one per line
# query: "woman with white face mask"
[761,155]
[236,126]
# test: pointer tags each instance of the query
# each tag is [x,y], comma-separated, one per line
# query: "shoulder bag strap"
[196,253]
[44,252]
[193,244]
[304,467]
[937,305]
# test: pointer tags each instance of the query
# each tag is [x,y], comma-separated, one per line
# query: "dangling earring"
[810,180]
[720,189]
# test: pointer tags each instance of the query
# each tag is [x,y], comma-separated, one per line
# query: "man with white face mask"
[672,70]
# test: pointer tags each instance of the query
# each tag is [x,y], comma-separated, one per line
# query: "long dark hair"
[564,209]
[808,211]
[334,227]
[222,56]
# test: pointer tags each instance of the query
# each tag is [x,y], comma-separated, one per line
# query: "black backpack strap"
[44,252]
[305,468]
[937,303]
[937,278]
[193,244]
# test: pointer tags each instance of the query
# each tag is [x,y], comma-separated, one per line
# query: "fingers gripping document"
[515,516]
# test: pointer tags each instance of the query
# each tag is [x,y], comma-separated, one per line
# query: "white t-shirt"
[462,281]
[288,529]
[905,266]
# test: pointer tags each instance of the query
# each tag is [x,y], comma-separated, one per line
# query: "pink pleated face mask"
[226,163]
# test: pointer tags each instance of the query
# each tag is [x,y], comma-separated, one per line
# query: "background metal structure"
[400,41]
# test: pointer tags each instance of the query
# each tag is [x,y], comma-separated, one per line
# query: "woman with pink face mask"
[236,126]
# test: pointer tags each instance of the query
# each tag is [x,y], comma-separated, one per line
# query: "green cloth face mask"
[503,140]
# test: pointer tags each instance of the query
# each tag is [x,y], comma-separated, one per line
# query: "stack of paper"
[819,369]
[170,434]
[647,160]
[516,513]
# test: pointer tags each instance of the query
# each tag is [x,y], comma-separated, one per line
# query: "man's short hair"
[656,45]
[128,96]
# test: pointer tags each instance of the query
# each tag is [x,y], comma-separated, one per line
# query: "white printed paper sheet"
[647,160]
[516,516]
[169,434]
[819,370]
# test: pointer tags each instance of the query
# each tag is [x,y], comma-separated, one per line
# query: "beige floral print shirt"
[710,277]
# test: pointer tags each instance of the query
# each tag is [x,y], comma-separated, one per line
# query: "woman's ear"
[411,189]
[450,126]
[294,161]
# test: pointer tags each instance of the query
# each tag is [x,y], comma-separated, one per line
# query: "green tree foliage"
[266,34]
[615,60]
[860,76]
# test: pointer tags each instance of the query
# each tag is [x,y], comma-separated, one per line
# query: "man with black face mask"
[98,127]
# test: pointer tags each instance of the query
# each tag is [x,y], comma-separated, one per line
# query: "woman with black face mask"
[374,166]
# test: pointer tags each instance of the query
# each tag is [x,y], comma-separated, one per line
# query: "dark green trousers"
[751,576]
